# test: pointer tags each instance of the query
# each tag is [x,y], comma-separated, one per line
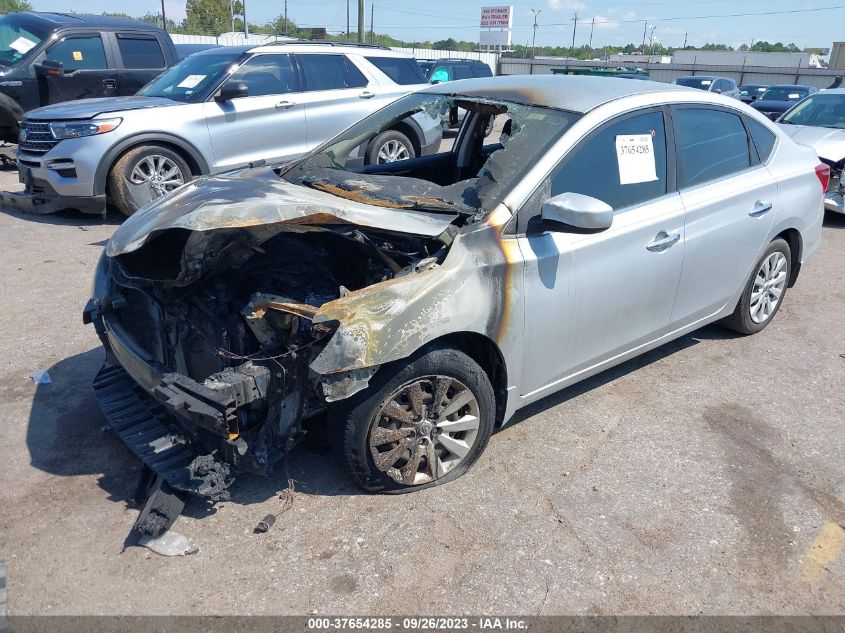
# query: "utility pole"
[645,28]
[536,12]
[347,20]
[286,17]
[163,17]
[685,39]
[246,24]
[372,24]
[574,26]
[652,42]
[592,26]
[231,10]
[360,21]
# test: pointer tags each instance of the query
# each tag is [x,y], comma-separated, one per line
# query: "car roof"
[788,86]
[575,93]
[82,19]
[702,77]
[310,46]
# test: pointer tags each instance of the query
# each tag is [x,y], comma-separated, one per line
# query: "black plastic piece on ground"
[162,508]
[265,524]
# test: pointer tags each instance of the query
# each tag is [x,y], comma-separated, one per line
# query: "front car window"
[190,76]
[819,110]
[84,52]
[695,82]
[784,93]
[631,154]
[494,160]
[268,75]
[710,143]
[16,40]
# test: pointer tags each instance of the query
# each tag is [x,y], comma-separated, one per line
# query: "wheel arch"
[796,245]
[184,148]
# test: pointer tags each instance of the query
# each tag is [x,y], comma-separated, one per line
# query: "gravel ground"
[705,477]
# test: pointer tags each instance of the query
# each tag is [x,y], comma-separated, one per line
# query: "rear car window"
[140,52]
[763,138]
[80,53]
[461,72]
[481,70]
[330,72]
[405,72]
[710,144]
[599,154]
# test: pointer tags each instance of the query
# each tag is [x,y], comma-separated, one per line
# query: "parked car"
[48,58]
[421,304]
[778,99]
[819,121]
[709,83]
[215,110]
[751,92]
[451,69]
[183,50]
[426,65]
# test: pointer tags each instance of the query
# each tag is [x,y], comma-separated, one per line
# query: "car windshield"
[746,90]
[784,93]
[694,82]
[820,110]
[17,40]
[190,76]
[499,142]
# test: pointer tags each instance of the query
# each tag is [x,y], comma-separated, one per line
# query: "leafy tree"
[209,17]
[10,6]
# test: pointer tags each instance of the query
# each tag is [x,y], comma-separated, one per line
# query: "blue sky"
[616,22]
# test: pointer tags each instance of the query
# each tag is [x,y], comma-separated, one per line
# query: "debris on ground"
[40,377]
[286,496]
[162,507]
[265,524]
[170,543]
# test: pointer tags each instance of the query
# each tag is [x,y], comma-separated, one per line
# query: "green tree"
[209,17]
[10,6]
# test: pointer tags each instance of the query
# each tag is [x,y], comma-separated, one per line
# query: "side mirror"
[50,68]
[232,90]
[718,91]
[435,82]
[575,209]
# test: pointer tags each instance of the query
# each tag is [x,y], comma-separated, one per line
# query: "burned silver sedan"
[412,307]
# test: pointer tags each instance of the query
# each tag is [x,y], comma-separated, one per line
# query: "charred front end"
[210,336]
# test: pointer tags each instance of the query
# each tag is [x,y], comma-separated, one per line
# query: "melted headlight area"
[231,323]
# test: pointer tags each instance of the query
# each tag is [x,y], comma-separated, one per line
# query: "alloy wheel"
[161,172]
[392,151]
[424,429]
[769,284]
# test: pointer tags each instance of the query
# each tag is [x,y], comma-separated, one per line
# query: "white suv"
[216,110]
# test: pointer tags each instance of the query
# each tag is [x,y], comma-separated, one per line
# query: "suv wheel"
[420,423]
[764,292]
[146,173]
[388,147]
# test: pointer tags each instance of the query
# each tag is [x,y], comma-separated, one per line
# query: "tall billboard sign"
[496,25]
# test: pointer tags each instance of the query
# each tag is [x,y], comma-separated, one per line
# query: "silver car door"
[267,124]
[730,203]
[591,297]
[337,94]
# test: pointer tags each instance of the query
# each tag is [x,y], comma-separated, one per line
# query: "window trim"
[512,227]
[753,158]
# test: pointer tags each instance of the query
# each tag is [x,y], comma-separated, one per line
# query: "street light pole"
[286,17]
[536,12]
[574,26]
[360,21]
[347,20]
[163,17]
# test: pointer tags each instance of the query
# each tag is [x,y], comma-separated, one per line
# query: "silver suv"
[216,110]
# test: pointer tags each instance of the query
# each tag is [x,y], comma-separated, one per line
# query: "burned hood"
[829,143]
[258,197]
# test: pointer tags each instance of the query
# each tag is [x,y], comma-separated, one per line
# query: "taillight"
[823,173]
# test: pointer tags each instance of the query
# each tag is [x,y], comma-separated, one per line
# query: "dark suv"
[47,58]
[452,69]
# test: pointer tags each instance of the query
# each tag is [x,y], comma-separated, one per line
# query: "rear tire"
[764,291]
[160,166]
[404,406]
[389,147]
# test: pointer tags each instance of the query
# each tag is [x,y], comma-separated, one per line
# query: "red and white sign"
[496,17]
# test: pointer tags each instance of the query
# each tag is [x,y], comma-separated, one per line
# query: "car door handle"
[760,208]
[367,94]
[284,105]
[663,241]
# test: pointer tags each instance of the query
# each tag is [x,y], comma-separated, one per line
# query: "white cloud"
[630,15]
[567,5]
[605,24]
[175,10]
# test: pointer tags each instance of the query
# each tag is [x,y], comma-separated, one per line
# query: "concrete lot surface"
[705,477]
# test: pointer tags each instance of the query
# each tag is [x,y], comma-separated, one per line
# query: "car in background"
[710,83]
[778,99]
[215,110]
[426,65]
[819,121]
[48,58]
[183,50]
[751,92]
[444,70]
[421,304]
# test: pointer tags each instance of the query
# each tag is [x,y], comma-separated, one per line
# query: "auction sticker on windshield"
[635,157]
[191,81]
[22,45]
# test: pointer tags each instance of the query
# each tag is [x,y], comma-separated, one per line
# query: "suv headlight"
[77,129]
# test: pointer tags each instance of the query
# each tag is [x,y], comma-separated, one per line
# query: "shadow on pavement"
[834,220]
[68,218]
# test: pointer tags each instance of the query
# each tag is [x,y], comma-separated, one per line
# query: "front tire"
[145,173]
[763,294]
[420,423]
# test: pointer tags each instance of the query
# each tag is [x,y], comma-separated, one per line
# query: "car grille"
[39,140]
